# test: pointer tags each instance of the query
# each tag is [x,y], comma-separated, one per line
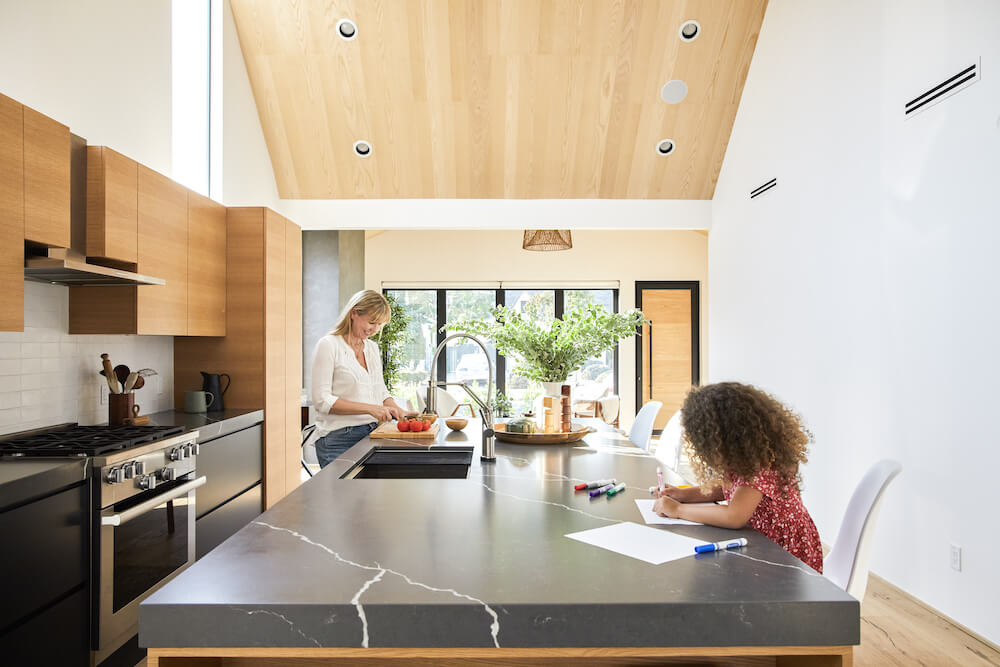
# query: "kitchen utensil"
[120,407]
[197,401]
[130,382]
[213,384]
[456,423]
[140,382]
[121,373]
[135,419]
[109,374]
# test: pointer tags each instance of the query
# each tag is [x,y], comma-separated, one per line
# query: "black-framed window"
[430,309]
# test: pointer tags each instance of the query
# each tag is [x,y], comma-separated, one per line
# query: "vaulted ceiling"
[496,98]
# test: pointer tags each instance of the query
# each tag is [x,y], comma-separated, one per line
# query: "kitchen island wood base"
[781,656]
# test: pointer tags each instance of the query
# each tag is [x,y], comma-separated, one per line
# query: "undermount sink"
[400,463]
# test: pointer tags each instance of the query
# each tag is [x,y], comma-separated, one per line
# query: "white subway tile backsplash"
[53,376]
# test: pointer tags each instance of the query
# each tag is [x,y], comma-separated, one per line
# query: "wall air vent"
[764,188]
[965,78]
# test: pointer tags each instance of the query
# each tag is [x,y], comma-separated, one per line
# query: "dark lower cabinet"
[213,528]
[56,636]
[232,497]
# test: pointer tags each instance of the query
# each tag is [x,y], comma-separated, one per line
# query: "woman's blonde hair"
[366,302]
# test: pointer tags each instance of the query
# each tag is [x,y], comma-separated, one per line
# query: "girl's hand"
[672,492]
[667,506]
[380,413]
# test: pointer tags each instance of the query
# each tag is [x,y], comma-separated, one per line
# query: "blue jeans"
[335,443]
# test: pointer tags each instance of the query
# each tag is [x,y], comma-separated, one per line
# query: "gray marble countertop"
[482,562]
[26,479]
[208,424]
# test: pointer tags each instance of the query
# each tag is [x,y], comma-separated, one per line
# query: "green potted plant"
[391,340]
[550,354]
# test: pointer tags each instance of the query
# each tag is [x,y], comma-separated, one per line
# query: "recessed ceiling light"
[362,148]
[347,29]
[674,91]
[664,146]
[690,30]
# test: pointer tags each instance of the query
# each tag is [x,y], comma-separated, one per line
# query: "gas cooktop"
[74,440]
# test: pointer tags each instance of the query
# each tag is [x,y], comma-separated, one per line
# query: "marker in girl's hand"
[720,546]
[659,479]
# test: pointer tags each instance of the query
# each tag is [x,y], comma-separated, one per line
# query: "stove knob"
[167,474]
[115,476]
[195,449]
[176,454]
[139,466]
[189,450]
[129,469]
[146,482]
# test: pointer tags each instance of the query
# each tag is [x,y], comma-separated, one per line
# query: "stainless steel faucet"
[485,407]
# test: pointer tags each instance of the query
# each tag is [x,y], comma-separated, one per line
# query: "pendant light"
[547,239]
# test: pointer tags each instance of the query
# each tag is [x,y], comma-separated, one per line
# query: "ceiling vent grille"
[756,192]
[943,90]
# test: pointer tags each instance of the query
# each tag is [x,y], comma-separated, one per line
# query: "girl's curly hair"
[734,428]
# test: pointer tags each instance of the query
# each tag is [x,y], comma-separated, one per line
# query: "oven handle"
[142,508]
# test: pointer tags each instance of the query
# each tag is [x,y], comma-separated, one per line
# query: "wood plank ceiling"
[496,98]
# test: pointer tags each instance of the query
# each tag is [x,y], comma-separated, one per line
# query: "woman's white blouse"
[337,374]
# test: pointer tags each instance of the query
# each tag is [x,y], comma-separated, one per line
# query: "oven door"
[143,542]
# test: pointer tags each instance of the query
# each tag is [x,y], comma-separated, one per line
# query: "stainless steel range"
[143,483]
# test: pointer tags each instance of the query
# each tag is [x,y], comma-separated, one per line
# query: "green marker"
[617,489]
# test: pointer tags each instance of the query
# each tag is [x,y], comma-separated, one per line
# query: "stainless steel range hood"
[69,266]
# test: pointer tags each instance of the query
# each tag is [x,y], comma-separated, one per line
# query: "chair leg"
[305,467]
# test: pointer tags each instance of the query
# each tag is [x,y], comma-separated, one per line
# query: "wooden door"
[11,215]
[163,249]
[275,391]
[46,180]
[206,297]
[667,351]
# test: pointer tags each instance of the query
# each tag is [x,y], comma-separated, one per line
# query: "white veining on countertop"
[252,612]
[808,570]
[494,626]
[547,502]
[356,601]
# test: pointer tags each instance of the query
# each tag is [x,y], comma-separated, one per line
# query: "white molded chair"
[446,403]
[670,442]
[847,563]
[642,427]
[610,405]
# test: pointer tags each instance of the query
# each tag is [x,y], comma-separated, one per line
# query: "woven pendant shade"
[547,239]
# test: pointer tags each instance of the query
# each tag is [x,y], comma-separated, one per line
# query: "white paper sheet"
[649,516]
[653,545]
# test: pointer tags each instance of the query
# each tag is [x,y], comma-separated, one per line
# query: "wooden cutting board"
[389,430]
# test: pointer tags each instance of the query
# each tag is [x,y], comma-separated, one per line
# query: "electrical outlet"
[104,394]
[956,557]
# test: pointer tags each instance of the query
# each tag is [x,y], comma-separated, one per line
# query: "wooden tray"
[575,435]
[389,430]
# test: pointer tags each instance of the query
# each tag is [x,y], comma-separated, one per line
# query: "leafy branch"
[551,354]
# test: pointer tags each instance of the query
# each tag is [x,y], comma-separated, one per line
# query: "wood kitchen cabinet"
[262,349]
[11,215]
[163,253]
[46,180]
[112,206]
[206,297]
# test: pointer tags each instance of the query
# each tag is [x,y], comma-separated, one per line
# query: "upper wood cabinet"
[163,251]
[11,215]
[46,180]
[112,205]
[206,297]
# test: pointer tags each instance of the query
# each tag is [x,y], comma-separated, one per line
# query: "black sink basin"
[397,463]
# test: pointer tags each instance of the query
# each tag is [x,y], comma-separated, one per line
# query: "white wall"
[862,290]
[103,68]
[49,377]
[625,256]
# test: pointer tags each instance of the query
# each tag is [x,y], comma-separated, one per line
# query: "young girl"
[746,448]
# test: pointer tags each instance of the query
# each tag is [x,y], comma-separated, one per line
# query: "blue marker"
[719,546]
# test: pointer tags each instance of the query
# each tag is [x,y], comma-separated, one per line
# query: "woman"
[348,390]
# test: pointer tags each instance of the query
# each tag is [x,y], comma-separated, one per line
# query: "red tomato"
[423,425]
[403,426]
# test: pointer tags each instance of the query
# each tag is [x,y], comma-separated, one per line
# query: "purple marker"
[603,489]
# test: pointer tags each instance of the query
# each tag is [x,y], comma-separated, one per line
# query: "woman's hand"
[398,412]
[380,413]
[667,506]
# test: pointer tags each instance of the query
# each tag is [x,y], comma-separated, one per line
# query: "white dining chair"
[446,403]
[642,427]
[670,443]
[847,563]
[610,406]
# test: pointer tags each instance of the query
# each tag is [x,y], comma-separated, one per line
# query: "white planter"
[553,388]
